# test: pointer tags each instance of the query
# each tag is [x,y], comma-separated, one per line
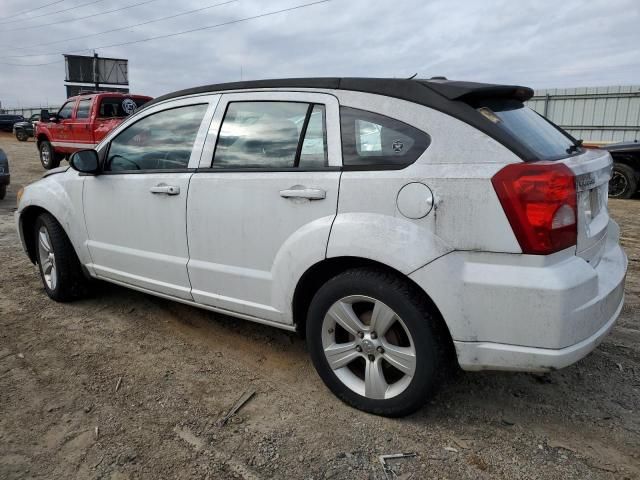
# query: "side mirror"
[45,116]
[85,161]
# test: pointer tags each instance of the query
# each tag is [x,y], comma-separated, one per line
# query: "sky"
[541,44]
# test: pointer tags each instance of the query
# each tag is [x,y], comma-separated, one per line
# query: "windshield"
[542,137]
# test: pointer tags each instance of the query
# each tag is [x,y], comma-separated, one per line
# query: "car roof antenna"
[412,76]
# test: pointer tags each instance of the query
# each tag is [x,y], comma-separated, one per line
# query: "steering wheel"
[112,157]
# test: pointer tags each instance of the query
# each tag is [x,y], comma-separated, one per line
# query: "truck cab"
[81,122]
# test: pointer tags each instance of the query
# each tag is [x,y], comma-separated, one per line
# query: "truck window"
[119,107]
[84,107]
[66,110]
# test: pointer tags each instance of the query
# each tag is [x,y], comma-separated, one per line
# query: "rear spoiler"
[469,91]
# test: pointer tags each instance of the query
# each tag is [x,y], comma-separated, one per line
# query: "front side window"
[65,112]
[161,141]
[268,135]
[84,106]
[370,139]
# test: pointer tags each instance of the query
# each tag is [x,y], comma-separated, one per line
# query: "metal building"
[595,114]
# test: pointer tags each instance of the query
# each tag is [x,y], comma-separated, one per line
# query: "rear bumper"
[523,312]
[498,356]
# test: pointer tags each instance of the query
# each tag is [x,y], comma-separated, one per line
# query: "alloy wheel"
[45,154]
[368,347]
[47,258]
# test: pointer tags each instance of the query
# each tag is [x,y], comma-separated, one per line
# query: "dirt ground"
[179,369]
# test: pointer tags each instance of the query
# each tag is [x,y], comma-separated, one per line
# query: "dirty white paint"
[229,242]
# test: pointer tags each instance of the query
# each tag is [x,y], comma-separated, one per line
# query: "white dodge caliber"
[402,225]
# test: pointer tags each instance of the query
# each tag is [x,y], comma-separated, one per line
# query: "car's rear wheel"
[374,342]
[3,191]
[21,135]
[48,157]
[623,183]
[59,266]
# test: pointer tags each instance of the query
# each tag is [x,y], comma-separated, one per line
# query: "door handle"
[162,188]
[299,191]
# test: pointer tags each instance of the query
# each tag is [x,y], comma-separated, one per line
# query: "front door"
[135,212]
[264,199]
[61,130]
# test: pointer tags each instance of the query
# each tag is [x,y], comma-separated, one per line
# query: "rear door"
[81,130]
[269,174]
[135,212]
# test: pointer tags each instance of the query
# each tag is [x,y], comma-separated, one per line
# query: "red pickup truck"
[81,123]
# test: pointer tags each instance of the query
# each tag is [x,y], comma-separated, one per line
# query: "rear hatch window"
[543,138]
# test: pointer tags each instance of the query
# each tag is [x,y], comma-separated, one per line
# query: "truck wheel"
[59,266]
[3,191]
[374,342]
[22,136]
[48,157]
[623,183]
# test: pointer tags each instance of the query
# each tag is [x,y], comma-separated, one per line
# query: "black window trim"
[303,133]
[296,161]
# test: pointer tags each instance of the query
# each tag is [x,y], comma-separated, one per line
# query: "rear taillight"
[539,200]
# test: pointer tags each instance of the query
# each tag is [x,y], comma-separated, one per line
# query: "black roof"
[422,91]
[455,98]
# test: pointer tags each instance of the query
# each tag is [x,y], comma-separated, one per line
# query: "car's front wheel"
[59,266]
[3,191]
[48,157]
[21,136]
[374,342]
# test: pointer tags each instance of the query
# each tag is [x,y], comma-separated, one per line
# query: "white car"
[401,225]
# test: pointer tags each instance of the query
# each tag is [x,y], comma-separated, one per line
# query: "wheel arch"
[630,159]
[41,138]
[318,274]
[27,223]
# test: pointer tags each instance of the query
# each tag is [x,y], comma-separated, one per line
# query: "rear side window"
[543,138]
[373,140]
[83,108]
[272,135]
[118,107]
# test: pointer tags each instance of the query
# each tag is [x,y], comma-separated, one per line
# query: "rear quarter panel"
[457,167]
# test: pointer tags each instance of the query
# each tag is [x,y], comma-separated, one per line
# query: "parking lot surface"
[125,385]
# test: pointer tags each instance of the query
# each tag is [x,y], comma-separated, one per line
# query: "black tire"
[3,191]
[624,182]
[70,281]
[21,136]
[48,156]
[410,305]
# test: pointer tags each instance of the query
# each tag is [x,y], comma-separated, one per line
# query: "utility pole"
[96,79]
